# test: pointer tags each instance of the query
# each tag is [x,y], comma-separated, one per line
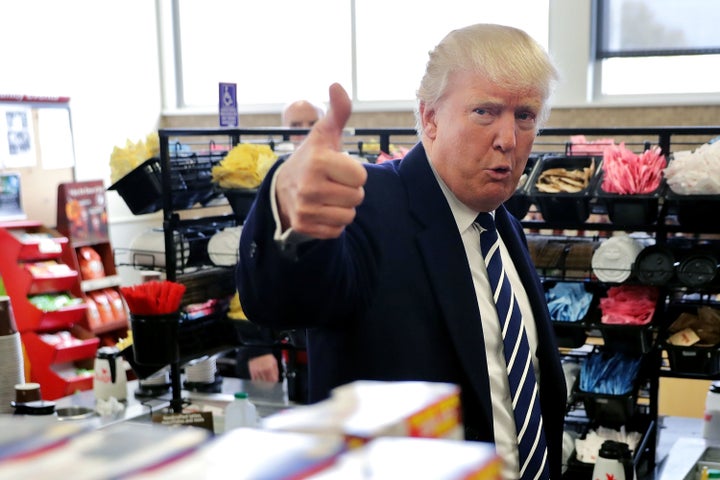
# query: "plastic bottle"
[711,424]
[240,413]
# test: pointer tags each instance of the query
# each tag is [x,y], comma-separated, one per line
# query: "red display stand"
[31,253]
[82,218]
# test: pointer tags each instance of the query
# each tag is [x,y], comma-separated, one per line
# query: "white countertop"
[268,397]
[680,446]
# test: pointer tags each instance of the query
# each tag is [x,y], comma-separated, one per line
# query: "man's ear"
[427,117]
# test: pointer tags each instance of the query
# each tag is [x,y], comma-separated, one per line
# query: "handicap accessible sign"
[227,107]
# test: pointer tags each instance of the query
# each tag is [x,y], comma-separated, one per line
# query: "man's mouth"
[501,170]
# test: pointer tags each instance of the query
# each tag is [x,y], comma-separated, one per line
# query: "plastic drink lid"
[241,395]
[655,265]
[697,270]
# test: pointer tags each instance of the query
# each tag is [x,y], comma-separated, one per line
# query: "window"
[263,46]
[280,50]
[393,37]
[657,46]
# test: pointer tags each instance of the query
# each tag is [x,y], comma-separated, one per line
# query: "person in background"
[257,359]
[383,263]
[298,114]
[268,353]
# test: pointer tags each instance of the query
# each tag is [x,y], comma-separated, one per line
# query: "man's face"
[300,115]
[479,136]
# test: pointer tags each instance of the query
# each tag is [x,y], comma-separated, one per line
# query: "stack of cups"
[201,370]
[613,260]
[12,365]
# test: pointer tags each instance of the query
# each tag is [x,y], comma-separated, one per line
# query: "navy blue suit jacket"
[393,298]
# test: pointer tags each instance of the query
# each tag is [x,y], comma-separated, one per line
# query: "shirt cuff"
[289,240]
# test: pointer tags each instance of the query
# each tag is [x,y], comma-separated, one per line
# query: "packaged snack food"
[91,265]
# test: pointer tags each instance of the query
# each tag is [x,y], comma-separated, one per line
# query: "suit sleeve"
[316,286]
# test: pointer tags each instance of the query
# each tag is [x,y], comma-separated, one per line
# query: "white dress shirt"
[503,419]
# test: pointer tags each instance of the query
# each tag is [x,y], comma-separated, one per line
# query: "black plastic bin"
[694,211]
[240,200]
[564,208]
[579,470]
[190,177]
[155,339]
[141,188]
[628,339]
[699,360]
[573,334]
[632,210]
[609,410]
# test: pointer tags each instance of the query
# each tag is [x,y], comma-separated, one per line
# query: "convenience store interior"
[111,71]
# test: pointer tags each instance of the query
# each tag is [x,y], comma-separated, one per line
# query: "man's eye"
[525,116]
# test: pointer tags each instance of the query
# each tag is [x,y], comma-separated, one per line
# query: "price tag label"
[195,419]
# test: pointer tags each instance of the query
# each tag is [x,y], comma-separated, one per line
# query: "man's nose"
[506,133]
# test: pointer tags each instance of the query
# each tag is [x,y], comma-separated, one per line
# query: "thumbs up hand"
[318,186]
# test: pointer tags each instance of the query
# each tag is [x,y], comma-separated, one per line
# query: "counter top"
[681,445]
[268,398]
[122,443]
[681,459]
[134,407]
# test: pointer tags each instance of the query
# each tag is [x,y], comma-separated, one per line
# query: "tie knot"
[486,221]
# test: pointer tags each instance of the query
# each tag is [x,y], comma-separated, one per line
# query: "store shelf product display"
[565,228]
[48,308]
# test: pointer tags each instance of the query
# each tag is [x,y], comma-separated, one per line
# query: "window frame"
[572,43]
[601,14]
[598,55]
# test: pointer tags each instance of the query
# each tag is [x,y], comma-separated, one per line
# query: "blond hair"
[504,55]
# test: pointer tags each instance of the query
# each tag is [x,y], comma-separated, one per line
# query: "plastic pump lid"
[614,450]
[241,395]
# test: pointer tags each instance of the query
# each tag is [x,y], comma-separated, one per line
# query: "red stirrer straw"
[154,298]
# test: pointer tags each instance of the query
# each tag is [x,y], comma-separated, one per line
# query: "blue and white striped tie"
[523,385]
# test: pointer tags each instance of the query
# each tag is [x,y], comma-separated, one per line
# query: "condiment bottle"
[711,424]
[240,413]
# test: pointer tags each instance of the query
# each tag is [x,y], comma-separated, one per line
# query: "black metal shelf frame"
[550,140]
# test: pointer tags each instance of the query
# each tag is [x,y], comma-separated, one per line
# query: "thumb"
[330,127]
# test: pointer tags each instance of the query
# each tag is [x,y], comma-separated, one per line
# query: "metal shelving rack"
[667,226]
[550,140]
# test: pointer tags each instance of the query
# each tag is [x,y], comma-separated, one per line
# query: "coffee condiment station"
[154,319]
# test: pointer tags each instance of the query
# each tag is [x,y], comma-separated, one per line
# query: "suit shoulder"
[384,169]
[383,175]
